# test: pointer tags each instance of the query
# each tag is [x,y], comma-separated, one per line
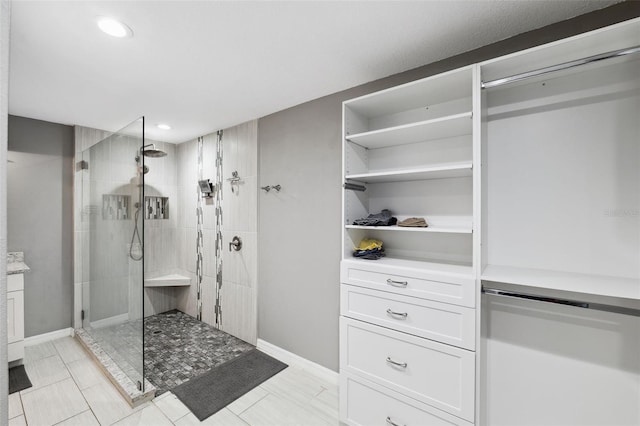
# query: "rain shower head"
[152,152]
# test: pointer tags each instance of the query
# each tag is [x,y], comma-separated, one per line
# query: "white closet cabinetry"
[531,188]
[561,221]
[408,325]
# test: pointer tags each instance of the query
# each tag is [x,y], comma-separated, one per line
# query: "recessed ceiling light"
[163,126]
[114,27]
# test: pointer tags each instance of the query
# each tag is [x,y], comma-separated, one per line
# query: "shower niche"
[116,207]
[156,207]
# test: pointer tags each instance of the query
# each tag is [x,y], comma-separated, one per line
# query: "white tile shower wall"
[238,293]
[115,275]
[187,173]
[170,245]
[240,212]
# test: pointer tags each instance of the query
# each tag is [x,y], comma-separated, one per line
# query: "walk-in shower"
[150,246]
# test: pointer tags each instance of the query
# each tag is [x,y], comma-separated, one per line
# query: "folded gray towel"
[383,218]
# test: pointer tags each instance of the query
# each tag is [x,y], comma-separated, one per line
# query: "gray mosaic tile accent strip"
[199,238]
[178,348]
[218,229]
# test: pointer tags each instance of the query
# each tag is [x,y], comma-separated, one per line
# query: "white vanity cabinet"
[15,316]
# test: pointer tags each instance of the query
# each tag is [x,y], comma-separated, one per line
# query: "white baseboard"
[114,320]
[47,337]
[298,361]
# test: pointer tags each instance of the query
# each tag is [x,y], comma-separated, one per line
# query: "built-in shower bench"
[170,280]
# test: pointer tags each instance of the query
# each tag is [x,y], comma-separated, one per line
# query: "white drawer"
[440,375]
[15,282]
[451,324]
[363,403]
[456,289]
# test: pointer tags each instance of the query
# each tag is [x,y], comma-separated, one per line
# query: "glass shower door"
[113,296]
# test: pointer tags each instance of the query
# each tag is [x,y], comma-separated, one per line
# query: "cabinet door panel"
[15,316]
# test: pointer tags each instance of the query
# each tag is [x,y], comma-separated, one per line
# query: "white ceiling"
[205,65]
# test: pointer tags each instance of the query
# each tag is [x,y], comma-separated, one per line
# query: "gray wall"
[300,148]
[40,219]
[5,9]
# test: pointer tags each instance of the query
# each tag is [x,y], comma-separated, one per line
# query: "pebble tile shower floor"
[178,347]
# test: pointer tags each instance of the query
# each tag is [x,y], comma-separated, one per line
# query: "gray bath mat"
[18,379]
[212,391]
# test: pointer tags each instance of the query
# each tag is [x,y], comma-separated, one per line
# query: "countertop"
[15,263]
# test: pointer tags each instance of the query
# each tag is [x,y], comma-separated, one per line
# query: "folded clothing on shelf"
[383,218]
[418,222]
[369,249]
[369,244]
[373,254]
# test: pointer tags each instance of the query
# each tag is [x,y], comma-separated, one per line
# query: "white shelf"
[439,128]
[432,90]
[445,229]
[597,285]
[172,280]
[449,269]
[440,171]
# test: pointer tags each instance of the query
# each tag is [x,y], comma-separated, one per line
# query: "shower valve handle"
[236,243]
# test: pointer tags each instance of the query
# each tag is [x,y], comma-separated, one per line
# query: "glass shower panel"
[112,298]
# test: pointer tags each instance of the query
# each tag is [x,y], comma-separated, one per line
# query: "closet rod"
[574,303]
[559,67]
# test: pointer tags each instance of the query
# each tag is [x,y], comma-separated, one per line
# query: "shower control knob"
[236,243]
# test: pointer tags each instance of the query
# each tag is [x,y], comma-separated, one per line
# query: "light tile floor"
[69,389]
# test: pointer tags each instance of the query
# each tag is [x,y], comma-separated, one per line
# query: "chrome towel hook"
[268,188]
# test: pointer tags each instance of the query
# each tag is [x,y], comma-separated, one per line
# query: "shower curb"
[127,388]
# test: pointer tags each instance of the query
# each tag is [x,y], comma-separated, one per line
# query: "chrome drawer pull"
[397,283]
[402,315]
[391,422]
[399,364]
